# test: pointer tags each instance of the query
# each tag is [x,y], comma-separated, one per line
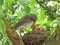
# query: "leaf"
[27,9]
[32,2]
[42,14]
[1,2]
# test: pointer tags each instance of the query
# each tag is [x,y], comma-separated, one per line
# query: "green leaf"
[1,2]
[42,14]
[32,2]
[27,9]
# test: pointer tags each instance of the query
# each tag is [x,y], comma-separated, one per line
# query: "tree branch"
[12,34]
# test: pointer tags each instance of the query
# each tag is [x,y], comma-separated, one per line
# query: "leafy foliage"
[13,10]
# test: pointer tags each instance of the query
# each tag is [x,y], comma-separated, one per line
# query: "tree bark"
[12,34]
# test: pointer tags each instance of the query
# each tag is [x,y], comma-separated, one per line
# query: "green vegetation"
[48,13]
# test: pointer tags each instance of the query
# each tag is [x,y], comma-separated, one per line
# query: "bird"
[25,21]
[35,27]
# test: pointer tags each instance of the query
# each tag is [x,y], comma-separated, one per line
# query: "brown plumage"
[25,21]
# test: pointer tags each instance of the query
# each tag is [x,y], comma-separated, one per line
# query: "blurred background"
[47,12]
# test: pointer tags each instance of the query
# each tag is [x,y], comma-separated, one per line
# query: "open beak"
[35,26]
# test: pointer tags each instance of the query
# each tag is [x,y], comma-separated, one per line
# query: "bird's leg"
[21,31]
[20,34]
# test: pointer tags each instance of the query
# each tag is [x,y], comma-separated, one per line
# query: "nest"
[35,37]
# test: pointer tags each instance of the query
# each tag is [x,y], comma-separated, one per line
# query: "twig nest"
[36,37]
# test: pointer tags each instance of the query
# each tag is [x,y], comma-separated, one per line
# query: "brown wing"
[22,21]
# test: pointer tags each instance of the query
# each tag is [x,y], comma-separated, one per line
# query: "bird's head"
[33,17]
[35,27]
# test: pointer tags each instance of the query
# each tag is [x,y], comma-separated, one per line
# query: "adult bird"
[25,21]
